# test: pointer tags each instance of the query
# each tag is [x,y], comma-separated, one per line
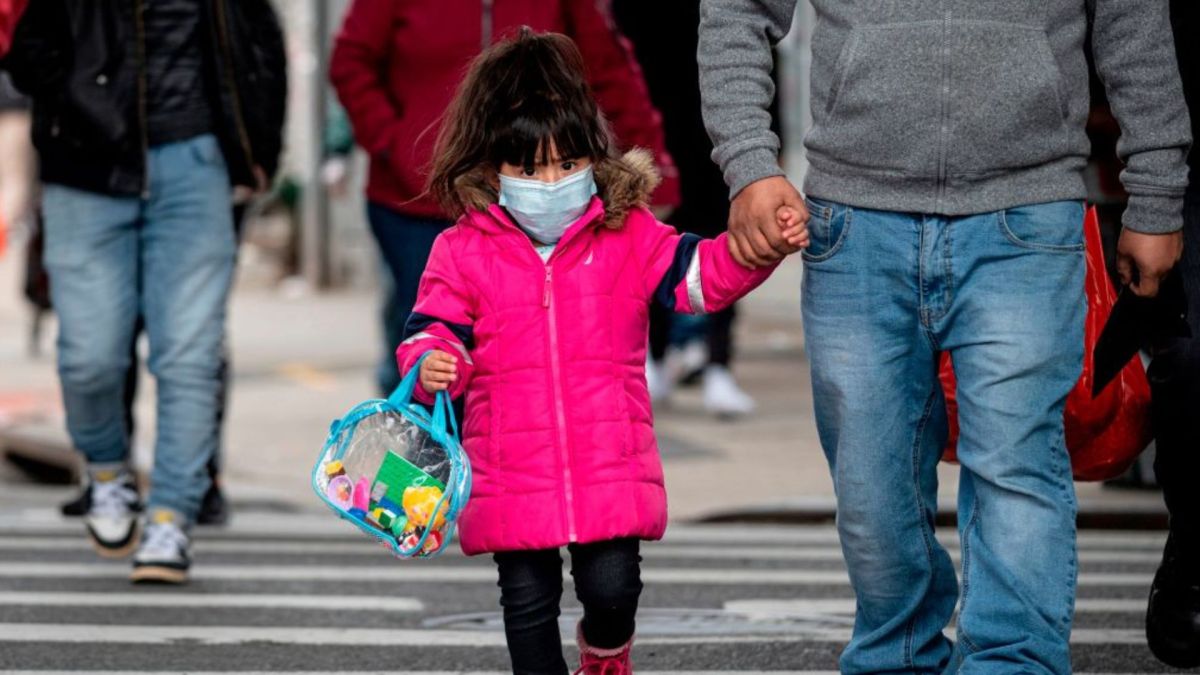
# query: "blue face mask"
[545,210]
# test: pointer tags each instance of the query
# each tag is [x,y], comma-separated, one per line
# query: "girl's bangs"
[524,142]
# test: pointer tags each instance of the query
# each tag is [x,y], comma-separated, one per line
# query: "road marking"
[396,637]
[365,603]
[801,608]
[656,550]
[318,525]
[400,572]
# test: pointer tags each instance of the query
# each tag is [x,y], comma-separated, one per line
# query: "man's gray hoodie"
[954,107]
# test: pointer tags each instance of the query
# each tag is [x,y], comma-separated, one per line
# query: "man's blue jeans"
[885,293]
[170,257]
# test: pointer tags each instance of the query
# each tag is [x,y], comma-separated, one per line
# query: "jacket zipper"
[227,80]
[139,10]
[560,414]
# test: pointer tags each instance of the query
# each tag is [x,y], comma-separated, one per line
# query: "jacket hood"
[622,183]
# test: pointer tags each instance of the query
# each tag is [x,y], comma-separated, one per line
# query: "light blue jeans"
[170,258]
[1003,292]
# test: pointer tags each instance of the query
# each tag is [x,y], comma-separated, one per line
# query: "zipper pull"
[546,292]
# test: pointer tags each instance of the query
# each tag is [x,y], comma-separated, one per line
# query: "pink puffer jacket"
[559,428]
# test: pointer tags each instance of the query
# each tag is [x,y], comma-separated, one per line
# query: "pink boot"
[596,661]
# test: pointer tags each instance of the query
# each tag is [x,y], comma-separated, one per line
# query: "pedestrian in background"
[535,307]
[145,115]
[663,34]
[395,66]
[945,193]
[1173,615]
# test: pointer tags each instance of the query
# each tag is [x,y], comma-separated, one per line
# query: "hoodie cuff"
[1154,214]
[752,165]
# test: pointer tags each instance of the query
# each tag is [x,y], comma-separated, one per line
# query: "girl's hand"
[795,229]
[438,371]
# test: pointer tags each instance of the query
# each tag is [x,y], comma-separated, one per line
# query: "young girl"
[535,306]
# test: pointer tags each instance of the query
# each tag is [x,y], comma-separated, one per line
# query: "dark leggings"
[607,582]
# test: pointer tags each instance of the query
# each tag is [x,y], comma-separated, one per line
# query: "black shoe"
[214,510]
[79,505]
[1173,614]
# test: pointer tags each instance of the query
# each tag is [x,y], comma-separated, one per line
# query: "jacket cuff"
[752,165]
[1154,214]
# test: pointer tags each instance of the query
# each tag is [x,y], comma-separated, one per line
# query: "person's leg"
[722,395]
[188,249]
[405,243]
[530,593]
[1173,615]
[882,423]
[91,255]
[720,336]
[1012,308]
[608,584]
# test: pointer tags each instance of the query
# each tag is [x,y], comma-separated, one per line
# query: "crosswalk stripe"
[655,550]
[807,608]
[417,572]
[320,525]
[208,600]
[397,637]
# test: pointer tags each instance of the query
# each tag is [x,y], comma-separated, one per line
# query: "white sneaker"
[112,517]
[685,364]
[163,555]
[657,381]
[722,395]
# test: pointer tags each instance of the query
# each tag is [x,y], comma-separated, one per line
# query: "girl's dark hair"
[517,96]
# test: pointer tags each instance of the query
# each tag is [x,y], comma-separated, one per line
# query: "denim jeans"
[884,293]
[169,257]
[405,242]
[608,584]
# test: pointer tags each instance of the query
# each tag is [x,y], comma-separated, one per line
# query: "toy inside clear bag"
[397,472]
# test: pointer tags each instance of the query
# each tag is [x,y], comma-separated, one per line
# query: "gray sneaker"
[112,517]
[163,555]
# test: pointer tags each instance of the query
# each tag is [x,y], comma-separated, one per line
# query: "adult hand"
[1152,256]
[438,371]
[755,238]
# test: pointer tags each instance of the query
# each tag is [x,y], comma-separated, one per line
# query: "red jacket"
[10,13]
[396,65]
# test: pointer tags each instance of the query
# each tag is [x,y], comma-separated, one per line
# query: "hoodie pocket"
[1007,104]
[882,110]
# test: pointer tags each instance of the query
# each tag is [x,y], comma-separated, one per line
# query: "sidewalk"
[300,360]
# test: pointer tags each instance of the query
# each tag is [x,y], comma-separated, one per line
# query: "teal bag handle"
[442,427]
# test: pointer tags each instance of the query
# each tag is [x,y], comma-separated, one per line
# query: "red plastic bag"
[1106,433]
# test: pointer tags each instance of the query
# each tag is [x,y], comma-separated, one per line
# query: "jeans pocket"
[1054,227]
[828,225]
[207,151]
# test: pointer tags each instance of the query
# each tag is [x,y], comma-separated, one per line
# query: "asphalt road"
[279,592]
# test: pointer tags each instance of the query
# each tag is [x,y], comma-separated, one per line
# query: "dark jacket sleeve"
[1135,58]
[39,59]
[262,78]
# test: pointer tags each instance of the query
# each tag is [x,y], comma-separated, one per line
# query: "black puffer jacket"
[83,63]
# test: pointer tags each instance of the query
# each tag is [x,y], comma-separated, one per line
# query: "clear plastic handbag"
[397,471]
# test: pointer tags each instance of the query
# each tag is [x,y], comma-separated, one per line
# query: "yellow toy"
[419,503]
